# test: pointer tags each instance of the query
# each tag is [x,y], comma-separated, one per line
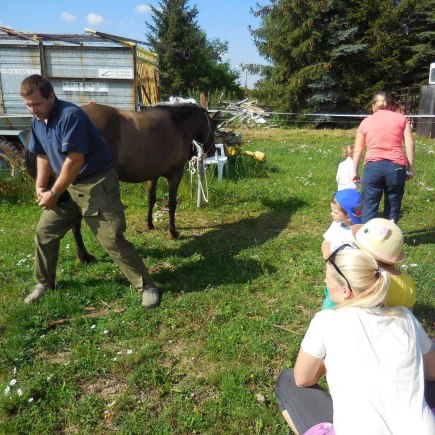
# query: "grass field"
[240,287]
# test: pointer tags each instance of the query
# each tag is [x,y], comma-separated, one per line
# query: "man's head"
[38,95]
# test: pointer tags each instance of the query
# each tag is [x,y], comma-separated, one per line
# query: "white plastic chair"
[219,159]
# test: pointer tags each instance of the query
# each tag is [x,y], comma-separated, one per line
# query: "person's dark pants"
[383,177]
[429,393]
[310,406]
[305,406]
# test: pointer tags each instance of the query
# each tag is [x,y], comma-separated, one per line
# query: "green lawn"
[240,287]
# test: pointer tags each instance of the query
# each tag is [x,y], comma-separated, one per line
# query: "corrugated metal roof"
[64,39]
[15,37]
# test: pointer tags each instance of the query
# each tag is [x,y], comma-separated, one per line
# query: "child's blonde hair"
[368,282]
[348,151]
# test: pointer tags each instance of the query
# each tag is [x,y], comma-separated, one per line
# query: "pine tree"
[187,59]
[333,55]
[418,21]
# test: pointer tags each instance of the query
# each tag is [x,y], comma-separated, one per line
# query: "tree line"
[323,56]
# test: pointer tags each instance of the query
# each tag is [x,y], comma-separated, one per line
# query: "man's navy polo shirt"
[69,129]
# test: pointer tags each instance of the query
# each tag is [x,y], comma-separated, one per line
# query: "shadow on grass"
[424,236]
[426,316]
[217,256]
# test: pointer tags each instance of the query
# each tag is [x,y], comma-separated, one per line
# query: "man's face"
[39,106]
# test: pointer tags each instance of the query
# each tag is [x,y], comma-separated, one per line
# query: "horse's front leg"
[152,188]
[82,253]
[173,183]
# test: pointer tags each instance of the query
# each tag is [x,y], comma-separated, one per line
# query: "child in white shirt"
[345,170]
[345,212]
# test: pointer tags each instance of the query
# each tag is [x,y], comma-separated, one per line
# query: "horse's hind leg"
[173,183]
[82,253]
[152,187]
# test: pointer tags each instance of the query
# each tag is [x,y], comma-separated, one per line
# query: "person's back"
[384,136]
[374,370]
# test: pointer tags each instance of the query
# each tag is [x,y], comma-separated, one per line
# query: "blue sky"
[224,19]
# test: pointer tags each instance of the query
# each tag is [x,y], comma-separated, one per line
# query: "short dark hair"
[34,83]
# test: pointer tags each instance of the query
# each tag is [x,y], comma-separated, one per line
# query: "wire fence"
[336,119]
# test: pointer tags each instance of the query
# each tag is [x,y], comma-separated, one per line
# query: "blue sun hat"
[350,201]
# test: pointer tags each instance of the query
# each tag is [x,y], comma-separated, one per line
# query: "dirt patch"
[107,388]
[162,266]
[176,348]
[57,358]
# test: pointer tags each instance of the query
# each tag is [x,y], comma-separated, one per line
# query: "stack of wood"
[246,112]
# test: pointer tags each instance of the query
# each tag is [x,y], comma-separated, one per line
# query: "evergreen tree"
[418,21]
[333,55]
[187,59]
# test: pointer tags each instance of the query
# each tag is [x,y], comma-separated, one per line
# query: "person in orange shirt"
[386,167]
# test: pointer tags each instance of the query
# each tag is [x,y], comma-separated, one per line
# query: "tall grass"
[240,287]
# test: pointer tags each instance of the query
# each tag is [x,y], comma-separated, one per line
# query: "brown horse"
[148,145]
[152,144]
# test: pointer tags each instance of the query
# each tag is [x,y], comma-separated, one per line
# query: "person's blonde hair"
[368,282]
[381,101]
[348,151]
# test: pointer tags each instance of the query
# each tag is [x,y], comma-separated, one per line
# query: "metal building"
[96,66]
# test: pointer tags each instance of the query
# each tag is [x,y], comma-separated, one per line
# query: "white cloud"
[67,17]
[94,18]
[142,9]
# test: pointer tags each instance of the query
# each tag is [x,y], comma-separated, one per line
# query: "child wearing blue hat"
[345,212]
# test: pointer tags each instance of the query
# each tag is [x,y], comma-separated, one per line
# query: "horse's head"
[208,132]
[197,124]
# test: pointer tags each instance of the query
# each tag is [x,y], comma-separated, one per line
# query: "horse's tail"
[30,163]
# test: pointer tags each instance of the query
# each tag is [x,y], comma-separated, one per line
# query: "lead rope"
[194,163]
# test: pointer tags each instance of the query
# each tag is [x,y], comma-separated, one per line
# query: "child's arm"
[326,249]
[357,154]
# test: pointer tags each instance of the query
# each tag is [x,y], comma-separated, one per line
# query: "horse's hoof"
[174,235]
[87,259]
[150,226]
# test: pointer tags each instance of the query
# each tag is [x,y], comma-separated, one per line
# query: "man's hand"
[47,201]
[39,191]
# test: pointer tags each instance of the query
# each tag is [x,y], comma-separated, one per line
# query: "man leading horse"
[66,142]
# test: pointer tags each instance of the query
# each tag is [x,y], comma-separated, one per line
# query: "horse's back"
[145,145]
